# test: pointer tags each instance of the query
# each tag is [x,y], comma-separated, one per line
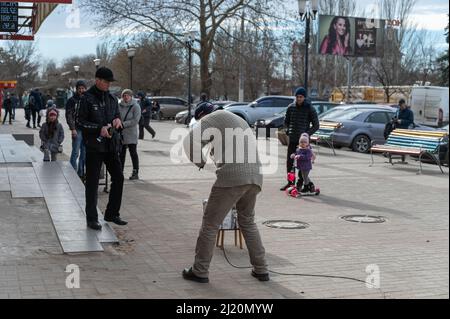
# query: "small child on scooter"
[304,158]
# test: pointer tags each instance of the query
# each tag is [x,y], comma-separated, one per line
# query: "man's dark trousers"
[94,162]
[291,149]
[145,123]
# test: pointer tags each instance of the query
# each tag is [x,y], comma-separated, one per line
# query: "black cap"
[80,83]
[402,101]
[105,74]
[141,94]
[203,109]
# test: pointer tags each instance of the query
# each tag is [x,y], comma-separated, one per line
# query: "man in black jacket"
[98,116]
[7,106]
[146,110]
[78,149]
[301,117]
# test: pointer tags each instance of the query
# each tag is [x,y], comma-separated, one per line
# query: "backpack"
[31,101]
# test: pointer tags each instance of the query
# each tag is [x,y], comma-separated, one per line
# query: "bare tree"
[173,17]
[443,63]
[20,63]
[388,69]
[157,66]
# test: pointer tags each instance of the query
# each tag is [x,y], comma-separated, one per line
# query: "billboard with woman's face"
[347,36]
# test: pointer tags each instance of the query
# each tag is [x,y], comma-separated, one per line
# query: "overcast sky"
[60,38]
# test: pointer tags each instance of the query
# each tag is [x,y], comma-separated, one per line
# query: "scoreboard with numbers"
[9,16]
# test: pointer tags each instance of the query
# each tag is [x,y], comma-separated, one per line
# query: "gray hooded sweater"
[233,149]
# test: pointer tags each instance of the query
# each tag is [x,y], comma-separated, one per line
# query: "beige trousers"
[220,202]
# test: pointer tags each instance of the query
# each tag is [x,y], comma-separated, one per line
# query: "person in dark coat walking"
[35,102]
[7,106]
[99,118]
[301,117]
[144,122]
[78,150]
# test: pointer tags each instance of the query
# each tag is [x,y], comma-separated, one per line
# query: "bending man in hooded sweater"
[239,180]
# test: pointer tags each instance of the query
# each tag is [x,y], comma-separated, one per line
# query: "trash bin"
[61,98]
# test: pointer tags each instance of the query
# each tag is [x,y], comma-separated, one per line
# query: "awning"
[8,84]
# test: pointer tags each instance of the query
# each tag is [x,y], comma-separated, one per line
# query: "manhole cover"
[363,219]
[286,224]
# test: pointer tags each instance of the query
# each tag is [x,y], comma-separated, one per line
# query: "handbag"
[116,141]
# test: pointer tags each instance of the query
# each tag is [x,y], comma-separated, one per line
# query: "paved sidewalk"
[164,211]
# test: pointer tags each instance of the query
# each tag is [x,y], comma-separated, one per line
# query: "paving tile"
[81,246]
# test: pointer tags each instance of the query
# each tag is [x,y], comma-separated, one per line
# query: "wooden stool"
[221,237]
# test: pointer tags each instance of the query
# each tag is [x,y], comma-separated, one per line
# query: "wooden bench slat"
[421,133]
[406,151]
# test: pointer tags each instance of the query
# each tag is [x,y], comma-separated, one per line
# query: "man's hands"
[117,123]
[74,133]
[104,132]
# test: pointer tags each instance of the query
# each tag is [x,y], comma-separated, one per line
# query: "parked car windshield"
[348,115]
[331,113]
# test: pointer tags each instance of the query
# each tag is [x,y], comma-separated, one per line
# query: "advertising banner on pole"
[350,36]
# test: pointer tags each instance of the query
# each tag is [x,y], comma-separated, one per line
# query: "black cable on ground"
[301,275]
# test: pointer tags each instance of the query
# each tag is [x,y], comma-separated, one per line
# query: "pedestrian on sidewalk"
[78,155]
[7,106]
[15,104]
[35,102]
[239,180]
[99,118]
[52,135]
[146,111]
[26,108]
[301,117]
[130,112]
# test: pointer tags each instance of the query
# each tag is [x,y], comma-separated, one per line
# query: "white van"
[430,105]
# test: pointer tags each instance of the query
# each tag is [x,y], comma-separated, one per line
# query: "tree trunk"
[205,75]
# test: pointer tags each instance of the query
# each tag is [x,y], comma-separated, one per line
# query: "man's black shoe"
[261,277]
[189,275]
[286,187]
[116,220]
[94,225]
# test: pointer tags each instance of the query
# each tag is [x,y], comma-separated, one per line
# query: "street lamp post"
[77,69]
[131,52]
[189,41]
[97,63]
[307,11]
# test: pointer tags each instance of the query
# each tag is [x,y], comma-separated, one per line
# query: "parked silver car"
[261,108]
[170,105]
[181,117]
[362,125]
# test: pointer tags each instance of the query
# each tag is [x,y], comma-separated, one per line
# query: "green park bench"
[412,142]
